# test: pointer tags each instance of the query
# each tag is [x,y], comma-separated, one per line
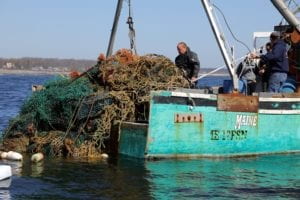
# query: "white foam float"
[5,172]
[104,156]
[37,157]
[3,155]
[11,155]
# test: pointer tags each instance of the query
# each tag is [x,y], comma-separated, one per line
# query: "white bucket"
[5,184]
[5,172]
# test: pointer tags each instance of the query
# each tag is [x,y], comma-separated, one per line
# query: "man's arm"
[195,60]
[274,55]
[178,62]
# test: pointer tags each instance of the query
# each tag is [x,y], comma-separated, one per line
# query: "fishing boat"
[190,123]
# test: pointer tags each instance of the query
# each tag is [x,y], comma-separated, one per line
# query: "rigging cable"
[227,46]
[295,2]
[230,30]
[131,29]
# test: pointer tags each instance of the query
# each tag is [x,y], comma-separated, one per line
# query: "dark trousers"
[251,87]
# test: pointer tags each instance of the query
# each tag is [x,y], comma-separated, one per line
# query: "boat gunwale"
[216,156]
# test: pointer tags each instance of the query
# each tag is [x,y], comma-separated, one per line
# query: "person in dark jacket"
[188,61]
[278,62]
[264,70]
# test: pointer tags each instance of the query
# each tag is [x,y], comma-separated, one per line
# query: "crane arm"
[288,15]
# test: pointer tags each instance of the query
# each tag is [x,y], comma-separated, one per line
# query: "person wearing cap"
[188,61]
[278,62]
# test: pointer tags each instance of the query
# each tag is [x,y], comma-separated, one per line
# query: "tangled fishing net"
[75,115]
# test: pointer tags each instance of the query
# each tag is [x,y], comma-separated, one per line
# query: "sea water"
[262,177]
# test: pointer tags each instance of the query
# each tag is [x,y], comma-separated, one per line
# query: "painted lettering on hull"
[245,120]
[228,134]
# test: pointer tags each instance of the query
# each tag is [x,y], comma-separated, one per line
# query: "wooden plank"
[237,103]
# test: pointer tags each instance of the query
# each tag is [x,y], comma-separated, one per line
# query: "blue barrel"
[228,86]
[289,86]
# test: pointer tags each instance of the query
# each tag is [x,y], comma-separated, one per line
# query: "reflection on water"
[5,194]
[37,169]
[269,177]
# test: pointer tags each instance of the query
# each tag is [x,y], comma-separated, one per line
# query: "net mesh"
[74,115]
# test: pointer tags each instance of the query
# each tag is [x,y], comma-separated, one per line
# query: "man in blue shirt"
[278,62]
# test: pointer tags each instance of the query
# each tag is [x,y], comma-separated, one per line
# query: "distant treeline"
[52,64]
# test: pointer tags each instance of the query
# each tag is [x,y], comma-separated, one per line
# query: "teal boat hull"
[190,124]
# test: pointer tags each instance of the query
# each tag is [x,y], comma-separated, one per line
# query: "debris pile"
[74,116]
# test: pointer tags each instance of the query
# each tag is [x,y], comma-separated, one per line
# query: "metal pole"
[221,42]
[217,69]
[288,15]
[114,29]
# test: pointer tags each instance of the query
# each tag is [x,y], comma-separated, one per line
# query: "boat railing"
[218,69]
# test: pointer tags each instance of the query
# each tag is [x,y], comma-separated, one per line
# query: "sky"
[80,29]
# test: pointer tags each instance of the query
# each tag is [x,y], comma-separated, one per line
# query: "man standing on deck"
[188,61]
[264,70]
[278,62]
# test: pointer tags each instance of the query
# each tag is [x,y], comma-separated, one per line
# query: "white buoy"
[5,172]
[3,155]
[11,155]
[37,157]
[104,156]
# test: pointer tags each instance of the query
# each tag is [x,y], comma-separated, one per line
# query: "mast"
[221,42]
[288,15]
[114,29]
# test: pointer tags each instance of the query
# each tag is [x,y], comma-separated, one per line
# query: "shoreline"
[30,72]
